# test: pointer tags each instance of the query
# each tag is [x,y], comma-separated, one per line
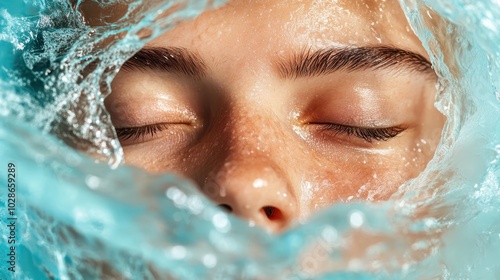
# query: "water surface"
[81,219]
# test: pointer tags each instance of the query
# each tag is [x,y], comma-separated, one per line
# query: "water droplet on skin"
[259,183]
[222,192]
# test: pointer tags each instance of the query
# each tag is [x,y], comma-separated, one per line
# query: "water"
[80,219]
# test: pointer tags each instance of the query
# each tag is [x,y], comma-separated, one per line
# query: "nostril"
[272,213]
[226,208]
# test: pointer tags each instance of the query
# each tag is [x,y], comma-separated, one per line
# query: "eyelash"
[367,134]
[135,133]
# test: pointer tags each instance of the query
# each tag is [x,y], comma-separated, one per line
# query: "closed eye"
[367,134]
[134,133]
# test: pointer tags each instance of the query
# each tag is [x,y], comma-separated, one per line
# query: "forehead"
[292,24]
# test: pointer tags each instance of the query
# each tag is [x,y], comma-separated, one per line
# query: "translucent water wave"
[81,219]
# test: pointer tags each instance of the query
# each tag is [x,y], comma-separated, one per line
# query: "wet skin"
[279,108]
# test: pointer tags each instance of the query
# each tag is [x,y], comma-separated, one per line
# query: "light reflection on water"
[82,220]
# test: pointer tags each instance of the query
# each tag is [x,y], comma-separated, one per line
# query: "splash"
[81,219]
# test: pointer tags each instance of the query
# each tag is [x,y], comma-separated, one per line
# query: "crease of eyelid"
[167,59]
[309,63]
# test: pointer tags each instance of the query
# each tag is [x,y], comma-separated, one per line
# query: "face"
[279,108]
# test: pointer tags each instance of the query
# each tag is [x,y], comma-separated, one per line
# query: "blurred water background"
[81,219]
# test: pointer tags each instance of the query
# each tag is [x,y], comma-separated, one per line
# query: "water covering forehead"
[78,219]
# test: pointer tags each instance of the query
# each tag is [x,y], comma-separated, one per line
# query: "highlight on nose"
[254,192]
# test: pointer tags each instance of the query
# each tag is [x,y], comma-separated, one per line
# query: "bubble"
[93,182]
[178,252]
[356,219]
[209,261]
[195,204]
[221,222]
[329,234]
[176,195]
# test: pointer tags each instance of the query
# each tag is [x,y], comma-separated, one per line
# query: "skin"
[259,144]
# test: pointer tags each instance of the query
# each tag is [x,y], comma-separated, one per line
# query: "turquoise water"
[81,219]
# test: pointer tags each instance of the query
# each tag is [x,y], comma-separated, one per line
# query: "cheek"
[321,187]
[144,158]
[369,178]
[158,159]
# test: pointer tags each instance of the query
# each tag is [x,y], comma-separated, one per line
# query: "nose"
[254,189]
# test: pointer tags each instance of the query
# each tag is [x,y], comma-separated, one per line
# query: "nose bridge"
[250,133]
[250,130]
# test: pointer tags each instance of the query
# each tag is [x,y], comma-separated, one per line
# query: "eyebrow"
[306,63]
[310,63]
[170,59]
